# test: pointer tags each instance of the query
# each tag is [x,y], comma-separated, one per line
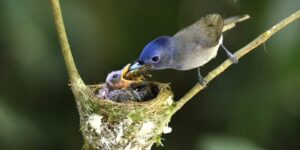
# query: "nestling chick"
[122,86]
[116,80]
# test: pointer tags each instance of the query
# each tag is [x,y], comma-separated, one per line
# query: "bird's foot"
[233,59]
[202,82]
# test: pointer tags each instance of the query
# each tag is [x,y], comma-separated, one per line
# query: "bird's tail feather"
[229,23]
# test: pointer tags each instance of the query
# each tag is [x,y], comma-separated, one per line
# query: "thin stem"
[64,43]
[240,53]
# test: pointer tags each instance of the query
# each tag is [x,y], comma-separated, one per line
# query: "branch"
[64,43]
[240,53]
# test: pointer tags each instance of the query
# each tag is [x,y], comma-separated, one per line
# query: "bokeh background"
[254,105]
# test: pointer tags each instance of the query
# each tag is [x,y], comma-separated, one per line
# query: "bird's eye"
[155,58]
[115,76]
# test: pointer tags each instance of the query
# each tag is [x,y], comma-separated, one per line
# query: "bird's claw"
[203,82]
[233,59]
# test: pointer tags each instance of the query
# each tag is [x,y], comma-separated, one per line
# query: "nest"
[160,96]
[157,110]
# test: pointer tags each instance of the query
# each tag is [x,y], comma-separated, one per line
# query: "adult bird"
[190,48]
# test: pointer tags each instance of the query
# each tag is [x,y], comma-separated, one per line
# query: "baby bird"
[116,80]
[122,86]
[189,48]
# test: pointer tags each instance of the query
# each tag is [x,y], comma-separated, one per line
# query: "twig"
[240,53]
[64,43]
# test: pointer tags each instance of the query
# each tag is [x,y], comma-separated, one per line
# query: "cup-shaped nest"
[106,123]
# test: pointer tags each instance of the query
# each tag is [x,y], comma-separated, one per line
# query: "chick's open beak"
[125,77]
[124,71]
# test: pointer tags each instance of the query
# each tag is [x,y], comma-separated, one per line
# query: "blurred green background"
[254,105]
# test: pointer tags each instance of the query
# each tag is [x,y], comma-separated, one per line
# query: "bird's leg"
[201,80]
[230,55]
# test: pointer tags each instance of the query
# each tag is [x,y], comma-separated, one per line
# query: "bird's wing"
[206,31]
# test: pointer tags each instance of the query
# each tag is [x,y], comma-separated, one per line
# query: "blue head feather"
[162,41]
[152,48]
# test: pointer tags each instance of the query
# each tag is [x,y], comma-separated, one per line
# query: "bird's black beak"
[137,65]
